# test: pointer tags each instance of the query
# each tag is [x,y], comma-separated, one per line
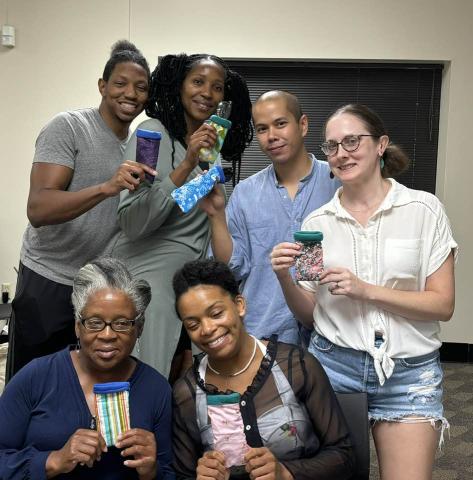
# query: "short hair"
[395,159]
[164,102]
[204,272]
[124,51]
[292,102]
[109,272]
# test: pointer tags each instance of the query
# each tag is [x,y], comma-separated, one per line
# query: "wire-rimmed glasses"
[350,143]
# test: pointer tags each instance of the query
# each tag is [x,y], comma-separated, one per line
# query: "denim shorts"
[413,390]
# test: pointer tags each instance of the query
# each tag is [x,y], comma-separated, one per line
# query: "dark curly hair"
[124,51]
[204,272]
[395,159]
[164,103]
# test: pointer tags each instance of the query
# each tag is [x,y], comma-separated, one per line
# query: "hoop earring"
[331,175]
[381,162]
[138,345]
[78,345]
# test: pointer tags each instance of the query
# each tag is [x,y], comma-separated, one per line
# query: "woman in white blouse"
[388,282]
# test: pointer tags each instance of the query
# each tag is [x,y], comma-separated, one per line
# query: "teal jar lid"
[221,121]
[222,399]
[306,236]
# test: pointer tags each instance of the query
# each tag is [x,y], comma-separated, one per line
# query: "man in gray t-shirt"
[75,180]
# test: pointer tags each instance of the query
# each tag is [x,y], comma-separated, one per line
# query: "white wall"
[62,46]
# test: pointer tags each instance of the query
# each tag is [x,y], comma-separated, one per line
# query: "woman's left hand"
[342,281]
[260,462]
[141,445]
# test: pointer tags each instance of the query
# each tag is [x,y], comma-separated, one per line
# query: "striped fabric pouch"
[111,402]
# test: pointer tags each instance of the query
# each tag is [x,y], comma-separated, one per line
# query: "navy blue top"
[43,405]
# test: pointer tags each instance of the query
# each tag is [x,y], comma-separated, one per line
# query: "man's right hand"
[214,203]
[128,175]
[283,257]
[84,447]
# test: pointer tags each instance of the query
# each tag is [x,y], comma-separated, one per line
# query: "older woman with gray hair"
[49,409]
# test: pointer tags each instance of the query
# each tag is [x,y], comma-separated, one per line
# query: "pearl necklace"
[239,371]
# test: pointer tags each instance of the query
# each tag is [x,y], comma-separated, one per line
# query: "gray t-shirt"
[82,141]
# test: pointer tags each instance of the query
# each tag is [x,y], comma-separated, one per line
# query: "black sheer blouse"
[333,458]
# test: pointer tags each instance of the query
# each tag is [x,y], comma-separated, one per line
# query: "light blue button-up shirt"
[261,214]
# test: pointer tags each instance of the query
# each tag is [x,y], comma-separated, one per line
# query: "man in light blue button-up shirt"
[266,209]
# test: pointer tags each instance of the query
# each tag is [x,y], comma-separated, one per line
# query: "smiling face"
[361,164]
[280,135]
[107,350]
[201,91]
[213,320]
[124,94]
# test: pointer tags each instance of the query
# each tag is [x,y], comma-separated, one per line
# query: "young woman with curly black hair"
[156,237]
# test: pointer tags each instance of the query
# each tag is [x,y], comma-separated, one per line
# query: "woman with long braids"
[156,237]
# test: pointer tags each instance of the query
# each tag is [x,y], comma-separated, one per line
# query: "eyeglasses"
[350,143]
[96,324]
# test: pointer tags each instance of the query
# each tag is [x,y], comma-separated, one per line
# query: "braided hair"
[164,103]
[124,51]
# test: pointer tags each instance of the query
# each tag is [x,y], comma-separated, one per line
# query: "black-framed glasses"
[350,143]
[97,324]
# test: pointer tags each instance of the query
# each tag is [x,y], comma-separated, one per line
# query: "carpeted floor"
[455,461]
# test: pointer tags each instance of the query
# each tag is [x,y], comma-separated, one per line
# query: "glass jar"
[310,263]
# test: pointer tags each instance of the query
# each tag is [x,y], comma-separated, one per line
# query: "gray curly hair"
[108,272]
